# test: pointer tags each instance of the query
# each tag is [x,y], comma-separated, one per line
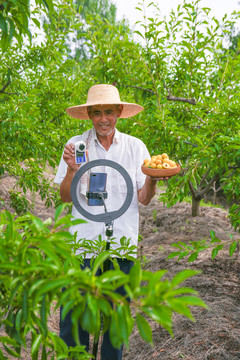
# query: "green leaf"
[2,356]
[99,261]
[232,247]
[44,353]
[135,276]
[36,22]
[114,331]
[37,340]
[105,306]
[44,315]
[39,226]
[212,234]
[3,25]
[11,29]
[110,276]
[11,351]
[51,285]
[144,328]
[215,240]
[173,254]
[19,320]
[138,32]
[193,256]
[68,221]
[59,210]
[75,316]
[179,306]
[216,250]
[7,340]
[193,301]
[183,275]
[123,325]
[25,305]
[48,4]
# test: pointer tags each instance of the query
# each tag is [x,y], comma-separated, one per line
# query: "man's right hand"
[69,157]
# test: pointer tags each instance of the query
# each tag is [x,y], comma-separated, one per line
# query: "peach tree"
[185,73]
[38,83]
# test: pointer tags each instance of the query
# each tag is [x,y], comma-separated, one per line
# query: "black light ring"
[108,216]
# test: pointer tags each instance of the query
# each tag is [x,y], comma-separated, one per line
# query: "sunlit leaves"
[14,20]
[36,263]
[144,328]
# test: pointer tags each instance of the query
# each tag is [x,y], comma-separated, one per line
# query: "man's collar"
[115,138]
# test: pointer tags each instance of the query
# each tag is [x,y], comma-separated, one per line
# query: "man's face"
[104,118]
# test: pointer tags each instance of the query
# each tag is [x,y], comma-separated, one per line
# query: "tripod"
[106,217]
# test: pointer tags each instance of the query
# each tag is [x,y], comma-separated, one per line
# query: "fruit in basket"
[160,161]
[166,166]
[165,156]
[170,162]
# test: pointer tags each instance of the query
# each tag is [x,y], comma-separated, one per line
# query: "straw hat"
[103,94]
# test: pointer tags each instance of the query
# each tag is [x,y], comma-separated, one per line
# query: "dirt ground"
[215,335]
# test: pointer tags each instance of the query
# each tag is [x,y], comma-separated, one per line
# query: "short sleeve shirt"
[129,152]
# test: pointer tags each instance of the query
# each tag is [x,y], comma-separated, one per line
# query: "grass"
[188,199]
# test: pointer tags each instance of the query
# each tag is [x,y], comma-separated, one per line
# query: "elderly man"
[104,141]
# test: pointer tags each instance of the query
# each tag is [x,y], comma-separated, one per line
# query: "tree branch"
[181,99]
[209,185]
[141,88]
[187,142]
[200,119]
[5,86]
[204,177]
[7,93]
[193,191]
[198,194]
[169,97]
[229,175]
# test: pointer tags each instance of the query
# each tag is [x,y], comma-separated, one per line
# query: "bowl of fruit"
[160,166]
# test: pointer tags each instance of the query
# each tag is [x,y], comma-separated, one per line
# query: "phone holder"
[96,194]
[106,217]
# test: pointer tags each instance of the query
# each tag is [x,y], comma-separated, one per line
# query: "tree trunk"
[214,193]
[195,206]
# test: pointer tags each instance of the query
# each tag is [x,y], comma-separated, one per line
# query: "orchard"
[185,72]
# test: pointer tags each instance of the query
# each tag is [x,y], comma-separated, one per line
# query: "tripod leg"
[106,266]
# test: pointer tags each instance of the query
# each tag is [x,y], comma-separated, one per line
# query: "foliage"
[234,215]
[96,247]
[192,249]
[37,87]
[85,10]
[187,81]
[38,82]
[37,260]
[14,19]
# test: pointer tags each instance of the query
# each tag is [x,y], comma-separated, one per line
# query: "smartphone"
[97,183]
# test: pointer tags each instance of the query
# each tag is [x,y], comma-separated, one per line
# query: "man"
[104,141]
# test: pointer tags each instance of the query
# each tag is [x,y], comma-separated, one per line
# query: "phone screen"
[97,183]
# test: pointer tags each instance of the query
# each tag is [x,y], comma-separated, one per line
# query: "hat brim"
[80,111]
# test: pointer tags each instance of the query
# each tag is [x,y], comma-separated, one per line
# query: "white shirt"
[129,152]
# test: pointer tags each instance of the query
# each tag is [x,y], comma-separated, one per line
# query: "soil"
[215,335]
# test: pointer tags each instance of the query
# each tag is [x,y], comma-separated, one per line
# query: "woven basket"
[161,172]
